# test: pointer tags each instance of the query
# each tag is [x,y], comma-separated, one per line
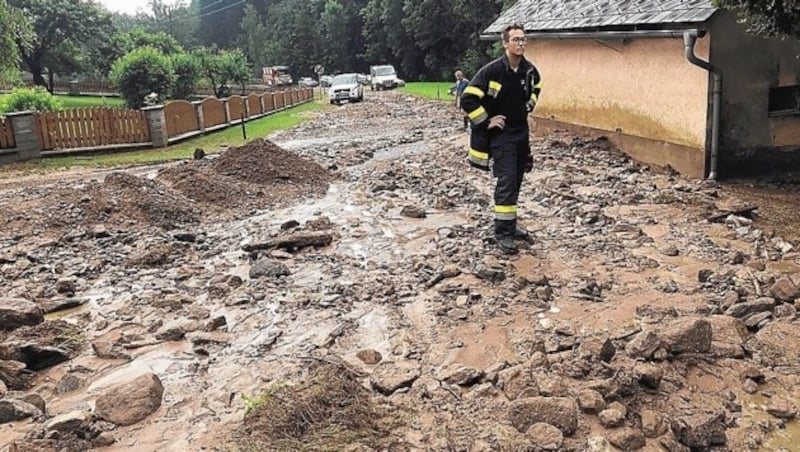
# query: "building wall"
[643,89]
[750,140]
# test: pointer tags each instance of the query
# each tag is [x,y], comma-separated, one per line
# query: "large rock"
[17,312]
[614,415]
[545,436]
[268,268]
[591,401]
[776,345]
[653,424]
[518,382]
[561,412]
[74,421]
[701,430]
[742,310]
[643,345]
[35,356]
[627,439]
[388,377]
[785,290]
[687,336]
[131,402]
[728,335]
[12,410]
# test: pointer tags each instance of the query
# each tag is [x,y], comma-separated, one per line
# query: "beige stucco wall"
[751,66]
[641,88]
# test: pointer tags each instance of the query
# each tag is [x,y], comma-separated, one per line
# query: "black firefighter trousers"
[509,150]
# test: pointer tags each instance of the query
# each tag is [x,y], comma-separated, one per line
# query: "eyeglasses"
[520,40]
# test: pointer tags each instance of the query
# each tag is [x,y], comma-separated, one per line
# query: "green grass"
[211,143]
[430,90]
[83,101]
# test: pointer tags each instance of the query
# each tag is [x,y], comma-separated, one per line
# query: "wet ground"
[238,280]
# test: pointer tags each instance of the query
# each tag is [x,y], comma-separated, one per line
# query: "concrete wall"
[644,91]
[751,141]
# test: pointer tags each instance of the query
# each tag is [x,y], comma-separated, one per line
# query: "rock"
[591,401]
[293,241]
[319,224]
[490,274]
[231,281]
[369,356]
[782,408]
[12,373]
[648,374]
[17,312]
[60,304]
[461,375]
[35,400]
[545,436]
[185,236]
[727,336]
[517,382]
[750,386]
[598,444]
[643,345]
[65,286]
[785,311]
[741,310]
[627,439]
[561,412]
[388,377]
[756,320]
[552,385]
[687,336]
[104,439]
[99,231]
[171,334]
[268,268]
[413,212]
[700,430]
[108,350]
[215,323]
[704,275]
[769,345]
[12,410]
[670,251]
[614,415]
[3,389]
[653,424]
[599,349]
[785,290]
[69,383]
[131,402]
[38,357]
[74,421]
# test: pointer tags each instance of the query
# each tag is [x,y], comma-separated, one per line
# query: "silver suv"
[345,87]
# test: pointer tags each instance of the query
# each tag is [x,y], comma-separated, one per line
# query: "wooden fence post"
[26,134]
[157,124]
[201,121]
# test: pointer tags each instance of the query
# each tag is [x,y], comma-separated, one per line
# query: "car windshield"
[384,70]
[344,79]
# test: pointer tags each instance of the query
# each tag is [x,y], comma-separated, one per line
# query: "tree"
[187,72]
[767,17]
[16,34]
[219,68]
[141,72]
[63,30]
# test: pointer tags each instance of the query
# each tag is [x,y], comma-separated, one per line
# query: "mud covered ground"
[334,288]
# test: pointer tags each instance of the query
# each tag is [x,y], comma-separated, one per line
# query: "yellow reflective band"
[505,209]
[478,115]
[475,91]
[534,98]
[538,85]
[495,86]
[478,154]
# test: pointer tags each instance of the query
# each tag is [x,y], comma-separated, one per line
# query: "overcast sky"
[124,6]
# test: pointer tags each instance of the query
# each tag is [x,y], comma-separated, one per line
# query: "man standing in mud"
[497,101]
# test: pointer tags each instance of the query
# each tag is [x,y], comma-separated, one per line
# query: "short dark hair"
[508,28]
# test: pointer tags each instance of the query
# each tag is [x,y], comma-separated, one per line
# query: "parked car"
[325,81]
[307,82]
[363,79]
[345,87]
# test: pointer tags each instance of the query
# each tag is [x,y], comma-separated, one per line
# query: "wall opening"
[784,101]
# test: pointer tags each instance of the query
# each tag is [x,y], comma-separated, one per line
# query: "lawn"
[211,143]
[430,90]
[83,101]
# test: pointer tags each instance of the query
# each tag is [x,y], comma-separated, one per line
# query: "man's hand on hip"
[498,121]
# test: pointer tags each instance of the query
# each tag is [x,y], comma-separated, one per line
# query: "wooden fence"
[6,134]
[213,112]
[181,118]
[91,127]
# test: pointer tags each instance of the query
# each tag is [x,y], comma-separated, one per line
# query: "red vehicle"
[276,75]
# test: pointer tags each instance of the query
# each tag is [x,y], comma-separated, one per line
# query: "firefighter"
[498,101]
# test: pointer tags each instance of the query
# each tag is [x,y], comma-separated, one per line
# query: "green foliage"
[66,32]
[141,72]
[220,68]
[253,403]
[187,72]
[767,17]
[36,99]
[15,34]
[430,90]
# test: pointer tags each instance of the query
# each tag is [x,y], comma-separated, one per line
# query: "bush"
[141,72]
[37,99]
[187,72]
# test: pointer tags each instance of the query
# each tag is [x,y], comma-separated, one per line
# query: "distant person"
[498,101]
[457,90]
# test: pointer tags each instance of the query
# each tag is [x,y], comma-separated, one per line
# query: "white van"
[382,77]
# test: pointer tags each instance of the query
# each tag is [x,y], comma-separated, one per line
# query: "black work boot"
[523,235]
[506,244]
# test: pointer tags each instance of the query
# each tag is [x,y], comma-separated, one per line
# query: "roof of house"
[560,15]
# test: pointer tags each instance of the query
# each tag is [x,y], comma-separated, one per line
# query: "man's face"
[516,42]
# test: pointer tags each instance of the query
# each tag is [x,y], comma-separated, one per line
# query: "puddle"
[55,315]
[785,439]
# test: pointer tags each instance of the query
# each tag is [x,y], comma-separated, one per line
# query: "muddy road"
[335,288]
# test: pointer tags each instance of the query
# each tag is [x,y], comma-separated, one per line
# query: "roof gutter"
[558,35]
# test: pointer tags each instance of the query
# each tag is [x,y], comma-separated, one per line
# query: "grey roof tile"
[553,15]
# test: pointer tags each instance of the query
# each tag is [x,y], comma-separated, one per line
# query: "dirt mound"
[258,175]
[124,197]
[329,411]
[263,162]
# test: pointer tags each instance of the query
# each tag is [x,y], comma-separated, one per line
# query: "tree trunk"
[50,80]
